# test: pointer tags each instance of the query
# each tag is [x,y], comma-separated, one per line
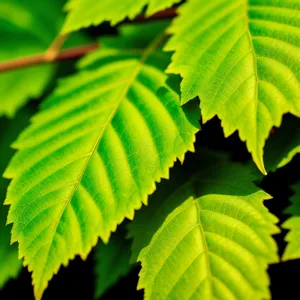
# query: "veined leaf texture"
[93,153]
[84,13]
[110,132]
[210,237]
[242,58]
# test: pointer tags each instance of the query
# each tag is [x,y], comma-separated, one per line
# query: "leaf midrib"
[202,232]
[247,22]
[152,46]
[204,243]
[206,251]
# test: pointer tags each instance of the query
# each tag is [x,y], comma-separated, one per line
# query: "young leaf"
[242,58]
[93,154]
[283,145]
[26,28]
[113,262]
[10,266]
[84,13]
[292,250]
[214,242]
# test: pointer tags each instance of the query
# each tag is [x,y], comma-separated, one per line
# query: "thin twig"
[165,14]
[53,53]
[55,47]
[66,54]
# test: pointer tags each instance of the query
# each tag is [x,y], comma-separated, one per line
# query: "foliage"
[212,224]
[108,133]
[84,13]
[284,145]
[24,30]
[254,77]
[113,256]
[9,263]
[292,250]
[98,145]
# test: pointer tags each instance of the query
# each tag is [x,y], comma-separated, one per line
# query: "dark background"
[77,281]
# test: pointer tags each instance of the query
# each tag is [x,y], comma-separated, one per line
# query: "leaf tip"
[258,160]
[260,165]
[38,293]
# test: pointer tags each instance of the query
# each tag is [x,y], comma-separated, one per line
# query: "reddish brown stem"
[55,47]
[165,14]
[54,54]
[66,54]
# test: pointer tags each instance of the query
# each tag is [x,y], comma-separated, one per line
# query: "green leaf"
[10,266]
[242,58]
[92,155]
[292,250]
[84,13]
[211,238]
[26,28]
[142,228]
[112,262]
[283,145]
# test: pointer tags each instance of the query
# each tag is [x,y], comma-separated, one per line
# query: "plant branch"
[55,47]
[53,53]
[165,14]
[66,54]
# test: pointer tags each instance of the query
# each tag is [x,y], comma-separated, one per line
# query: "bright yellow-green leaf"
[209,238]
[84,13]
[242,58]
[292,250]
[93,154]
[112,262]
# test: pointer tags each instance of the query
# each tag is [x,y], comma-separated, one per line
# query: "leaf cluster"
[102,146]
